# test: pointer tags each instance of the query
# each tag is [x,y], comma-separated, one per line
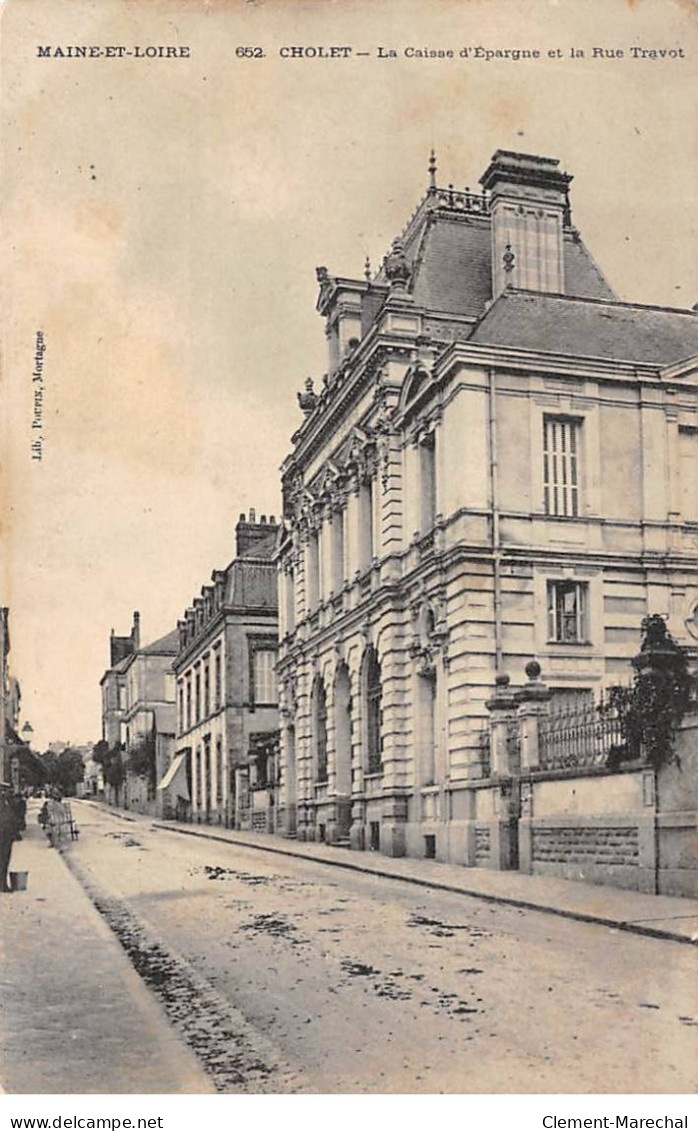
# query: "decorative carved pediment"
[429,632]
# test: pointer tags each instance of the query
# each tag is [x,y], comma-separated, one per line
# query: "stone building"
[148,723]
[18,764]
[11,744]
[138,714]
[113,682]
[499,468]
[227,719]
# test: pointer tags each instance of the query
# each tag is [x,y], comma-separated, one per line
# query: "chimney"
[529,207]
[122,646]
[249,534]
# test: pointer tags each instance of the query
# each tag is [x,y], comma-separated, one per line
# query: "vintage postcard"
[349,633]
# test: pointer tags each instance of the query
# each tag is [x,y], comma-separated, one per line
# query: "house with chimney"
[138,718]
[225,766]
[113,682]
[497,472]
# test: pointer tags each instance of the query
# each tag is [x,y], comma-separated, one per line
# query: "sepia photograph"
[349,588]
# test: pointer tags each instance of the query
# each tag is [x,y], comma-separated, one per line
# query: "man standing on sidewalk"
[8,829]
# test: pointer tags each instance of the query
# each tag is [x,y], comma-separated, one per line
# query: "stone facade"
[113,682]
[138,714]
[226,686]
[499,467]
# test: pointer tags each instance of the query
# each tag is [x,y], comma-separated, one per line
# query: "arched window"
[320,730]
[372,706]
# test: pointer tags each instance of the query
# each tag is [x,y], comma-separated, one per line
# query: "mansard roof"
[252,584]
[583,327]
[448,245]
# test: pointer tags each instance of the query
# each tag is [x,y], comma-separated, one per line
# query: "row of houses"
[193,716]
[498,473]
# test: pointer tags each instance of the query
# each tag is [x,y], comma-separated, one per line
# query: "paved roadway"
[286,975]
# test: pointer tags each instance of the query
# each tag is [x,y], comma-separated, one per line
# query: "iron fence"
[580,734]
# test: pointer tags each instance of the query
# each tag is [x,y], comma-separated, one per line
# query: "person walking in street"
[43,817]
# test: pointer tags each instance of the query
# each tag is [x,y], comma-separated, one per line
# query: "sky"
[163,222]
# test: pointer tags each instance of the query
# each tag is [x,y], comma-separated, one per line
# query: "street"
[286,975]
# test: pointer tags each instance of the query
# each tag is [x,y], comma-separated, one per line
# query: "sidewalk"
[75,1017]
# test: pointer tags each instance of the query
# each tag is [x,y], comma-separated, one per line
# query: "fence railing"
[462,201]
[579,735]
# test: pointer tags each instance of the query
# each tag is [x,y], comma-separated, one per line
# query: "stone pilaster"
[533,702]
[502,709]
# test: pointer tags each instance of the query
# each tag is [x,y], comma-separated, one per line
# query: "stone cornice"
[504,357]
[398,594]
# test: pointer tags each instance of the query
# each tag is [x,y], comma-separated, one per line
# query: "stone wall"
[632,829]
[677,816]
[590,825]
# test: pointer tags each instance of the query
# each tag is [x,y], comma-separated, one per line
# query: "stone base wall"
[582,845]
[677,864]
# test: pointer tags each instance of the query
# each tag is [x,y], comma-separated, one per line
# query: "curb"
[631,927]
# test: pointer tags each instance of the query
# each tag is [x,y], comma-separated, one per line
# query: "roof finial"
[432,171]
[367,270]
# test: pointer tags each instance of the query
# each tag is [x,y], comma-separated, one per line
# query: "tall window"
[197,694]
[219,772]
[372,698]
[312,581]
[197,757]
[338,551]
[207,690]
[181,707]
[366,525]
[427,484]
[567,612]
[264,674]
[561,443]
[426,699]
[290,579]
[320,730]
[207,768]
[188,702]
[217,680]
[688,457]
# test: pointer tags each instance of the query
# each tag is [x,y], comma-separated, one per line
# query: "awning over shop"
[176,777]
